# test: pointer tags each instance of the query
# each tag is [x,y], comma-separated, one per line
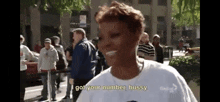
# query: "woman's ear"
[139,36]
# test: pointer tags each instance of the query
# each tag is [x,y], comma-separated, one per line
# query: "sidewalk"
[59,99]
[36,90]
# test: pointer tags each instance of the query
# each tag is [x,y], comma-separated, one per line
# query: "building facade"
[157,15]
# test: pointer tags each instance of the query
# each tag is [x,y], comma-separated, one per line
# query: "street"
[33,90]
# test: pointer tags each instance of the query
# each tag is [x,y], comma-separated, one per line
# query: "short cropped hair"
[80,31]
[56,39]
[145,34]
[122,12]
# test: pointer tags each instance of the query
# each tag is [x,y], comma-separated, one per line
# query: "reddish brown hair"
[122,12]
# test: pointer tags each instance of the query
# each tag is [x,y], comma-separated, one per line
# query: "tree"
[62,6]
[54,6]
[186,12]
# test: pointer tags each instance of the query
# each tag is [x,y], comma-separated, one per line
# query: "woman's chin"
[111,62]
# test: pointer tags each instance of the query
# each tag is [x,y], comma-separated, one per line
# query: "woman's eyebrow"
[114,32]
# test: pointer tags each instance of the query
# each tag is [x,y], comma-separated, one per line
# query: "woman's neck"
[127,70]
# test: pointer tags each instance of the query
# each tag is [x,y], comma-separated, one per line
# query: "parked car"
[32,72]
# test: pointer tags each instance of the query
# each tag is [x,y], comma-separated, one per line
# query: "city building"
[37,24]
[157,15]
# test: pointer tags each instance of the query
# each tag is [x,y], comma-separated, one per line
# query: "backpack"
[94,55]
[61,63]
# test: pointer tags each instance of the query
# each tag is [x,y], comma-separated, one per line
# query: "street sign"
[82,22]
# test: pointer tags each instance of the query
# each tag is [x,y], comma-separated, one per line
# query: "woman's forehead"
[117,25]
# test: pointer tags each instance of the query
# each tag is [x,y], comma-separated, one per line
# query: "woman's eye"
[115,35]
[99,38]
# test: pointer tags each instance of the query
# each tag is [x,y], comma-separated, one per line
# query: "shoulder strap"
[92,52]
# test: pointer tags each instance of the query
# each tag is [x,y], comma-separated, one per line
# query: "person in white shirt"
[47,61]
[145,48]
[25,53]
[130,79]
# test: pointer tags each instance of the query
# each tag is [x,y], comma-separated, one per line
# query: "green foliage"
[186,12]
[62,6]
[188,67]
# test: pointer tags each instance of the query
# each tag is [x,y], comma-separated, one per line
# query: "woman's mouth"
[110,53]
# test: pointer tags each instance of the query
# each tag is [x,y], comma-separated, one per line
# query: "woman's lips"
[110,53]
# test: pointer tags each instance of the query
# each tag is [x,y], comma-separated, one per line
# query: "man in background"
[146,49]
[158,48]
[83,61]
[47,61]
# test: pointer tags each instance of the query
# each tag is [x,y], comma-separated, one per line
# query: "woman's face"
[116,42]
[144,38]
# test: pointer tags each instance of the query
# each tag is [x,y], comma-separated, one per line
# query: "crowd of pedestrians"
[120,28]
[148,50]
[25,56]
[114,54]
[82,58]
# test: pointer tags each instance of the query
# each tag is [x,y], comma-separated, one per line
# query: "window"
[144,1]
[162,2]
[161,25]
[147,21]
[162,29]
[127,1]
[148,24]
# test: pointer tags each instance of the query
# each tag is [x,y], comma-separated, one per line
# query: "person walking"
[131,79]
[47,61]
[101,64]
[146,49]
[83,61]
[25,53]
[69,52]
[62,62]
[158,48]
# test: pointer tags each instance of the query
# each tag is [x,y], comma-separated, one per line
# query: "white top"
[27,54]
[47,59]
[155,83]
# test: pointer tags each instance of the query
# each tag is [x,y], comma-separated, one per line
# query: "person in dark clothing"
[101,64]
[158,48]
[83,61]
[69,52]
[62,63]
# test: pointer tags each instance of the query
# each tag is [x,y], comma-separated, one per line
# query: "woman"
[130,79]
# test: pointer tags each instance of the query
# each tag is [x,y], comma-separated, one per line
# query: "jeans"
[44,92]
[68,89]
[78,82]
[22,85]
